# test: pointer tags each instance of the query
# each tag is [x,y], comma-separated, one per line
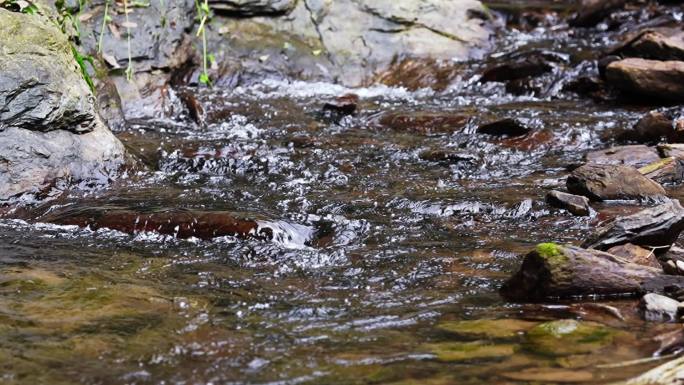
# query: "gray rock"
[50,129]
[575,204]
[40,86]
[658,308]
[352,42]
[611,182]
[160,36]
[662,80]
[161,43]
[654,228]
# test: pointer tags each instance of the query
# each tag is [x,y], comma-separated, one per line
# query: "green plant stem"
[104,25]
[129,69]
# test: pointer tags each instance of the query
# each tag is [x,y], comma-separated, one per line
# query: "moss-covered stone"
[566,337]
[491,329]
[468,351]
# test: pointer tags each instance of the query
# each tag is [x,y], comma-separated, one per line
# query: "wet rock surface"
[49,127]
[656,228]
[610,182]
[577,205]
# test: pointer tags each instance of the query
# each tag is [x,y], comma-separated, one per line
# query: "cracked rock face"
[352,42]
[49,127]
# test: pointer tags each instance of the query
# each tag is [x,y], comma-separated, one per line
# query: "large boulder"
[661,80]
[348,41]
[49,125]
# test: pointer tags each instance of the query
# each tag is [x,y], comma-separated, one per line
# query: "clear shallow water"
[373,259]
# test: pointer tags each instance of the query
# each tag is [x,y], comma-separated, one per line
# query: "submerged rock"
[633,155]
[655,227]
[610,182]
[659,308]
[566,337]
[487,328]
[49,125]
[662,80]
[518,66]
[468,351]
[575,204]
[423,122]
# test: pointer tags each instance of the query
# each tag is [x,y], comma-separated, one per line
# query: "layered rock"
[346,41]
[49,125]
[662,80]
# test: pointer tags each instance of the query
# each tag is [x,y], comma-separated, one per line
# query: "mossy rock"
[487,328]
[566,337]
[469,351]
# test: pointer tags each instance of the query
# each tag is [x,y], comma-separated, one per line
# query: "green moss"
[552,253]
[566,337]
[491,329]
[467,351]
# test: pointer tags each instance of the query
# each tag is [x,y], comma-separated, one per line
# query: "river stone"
[567,337]
[611,182]
[553,271]
[487,328]
[49,128]
[659,308]
[675,150]
[657,125]
[665,171]
[663,80]
[352,42]
[633,155]
[575,204]
[660,44]
[636,254]
[591,12]
[253,7]
[655,227]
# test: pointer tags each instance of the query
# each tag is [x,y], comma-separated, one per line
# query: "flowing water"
[376,263]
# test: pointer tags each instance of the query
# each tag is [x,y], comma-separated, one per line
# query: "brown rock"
[575,204]
[663,80]
[636,254]
[611,182]
[661,44]
[653,127]
[634,155]
[591,12]
[665,171]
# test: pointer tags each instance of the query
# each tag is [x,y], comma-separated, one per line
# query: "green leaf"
[204,79]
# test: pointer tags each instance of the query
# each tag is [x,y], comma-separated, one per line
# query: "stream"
[380,241]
